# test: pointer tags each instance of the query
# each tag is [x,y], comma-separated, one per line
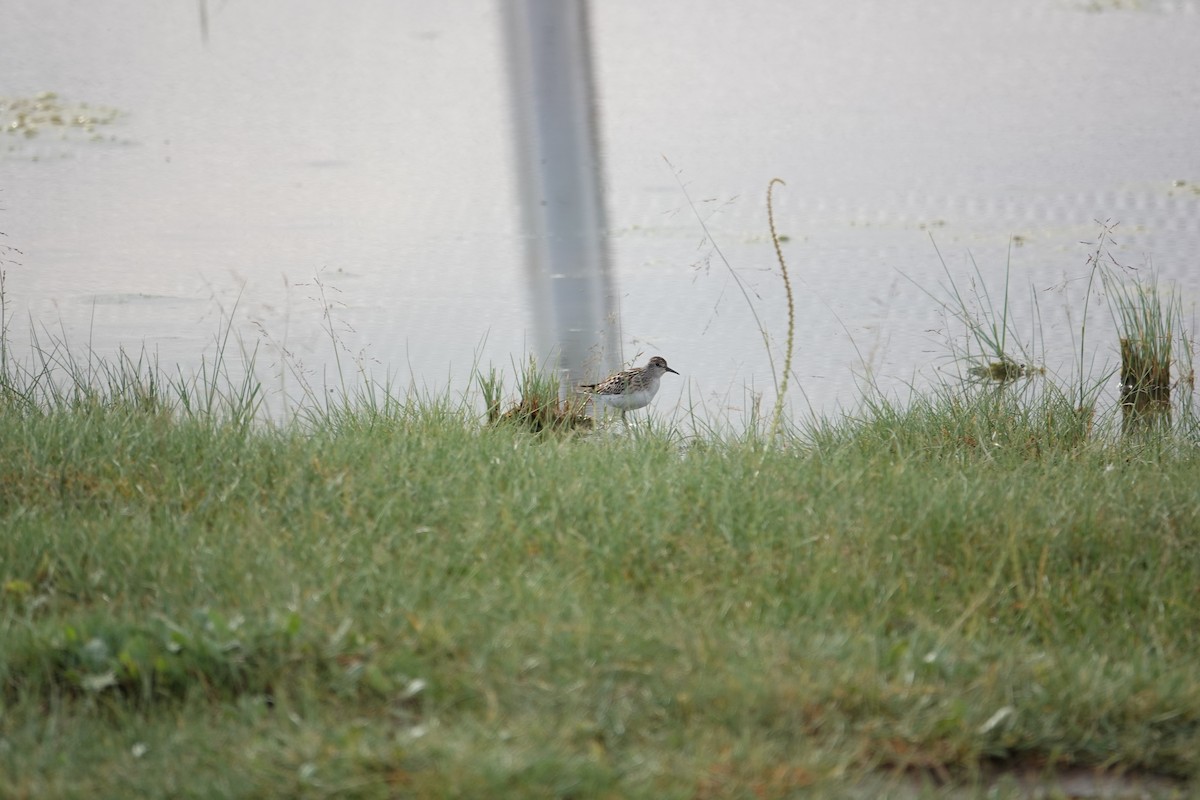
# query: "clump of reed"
[1148,321]
[541,406]
[994,353]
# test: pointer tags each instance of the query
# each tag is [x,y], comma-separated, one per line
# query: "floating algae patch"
[47,114]
[1004,371]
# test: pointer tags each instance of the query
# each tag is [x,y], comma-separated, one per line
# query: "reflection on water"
[367,149]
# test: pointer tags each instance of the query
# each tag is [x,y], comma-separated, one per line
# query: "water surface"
[308,156]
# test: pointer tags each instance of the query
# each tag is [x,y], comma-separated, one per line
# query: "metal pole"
[559,175]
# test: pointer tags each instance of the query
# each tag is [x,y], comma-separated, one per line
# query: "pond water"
[289,157]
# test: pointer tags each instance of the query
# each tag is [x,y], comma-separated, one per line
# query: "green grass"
[407,602]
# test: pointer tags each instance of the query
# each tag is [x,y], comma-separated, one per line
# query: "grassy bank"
[402,601]
[431,598]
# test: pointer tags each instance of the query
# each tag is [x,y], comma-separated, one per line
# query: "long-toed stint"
[630,388]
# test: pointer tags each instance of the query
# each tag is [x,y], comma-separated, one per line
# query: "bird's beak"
[671,370]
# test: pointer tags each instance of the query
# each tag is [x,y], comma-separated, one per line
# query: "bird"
[631,388]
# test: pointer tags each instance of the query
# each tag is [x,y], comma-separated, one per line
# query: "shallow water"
[307,156]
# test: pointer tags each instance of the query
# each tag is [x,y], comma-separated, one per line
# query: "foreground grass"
[407,604]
